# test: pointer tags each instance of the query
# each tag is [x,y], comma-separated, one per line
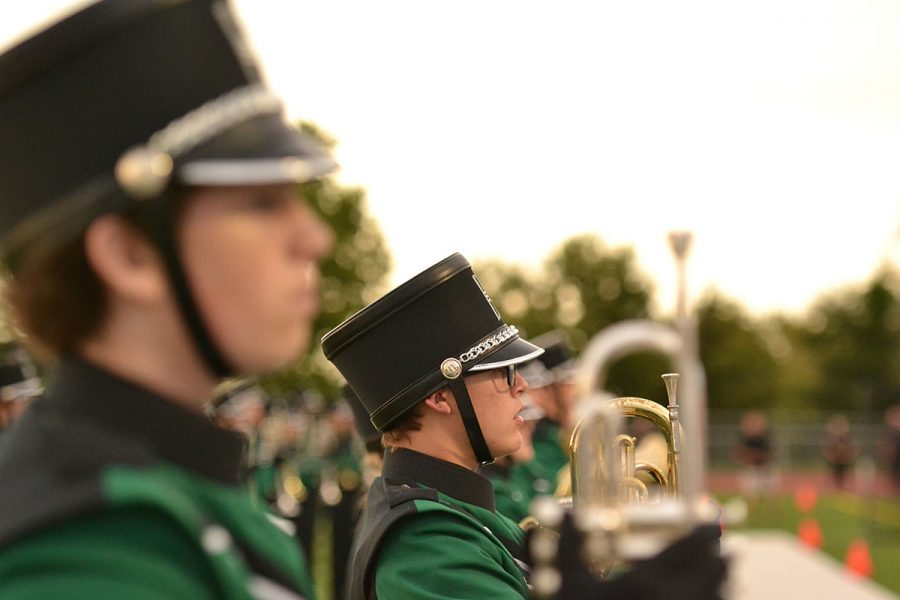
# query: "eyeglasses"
[509,375]
[510,372]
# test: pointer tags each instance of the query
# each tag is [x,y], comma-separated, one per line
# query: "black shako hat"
[424,335]
[556,364]
[557,354]
[106,109]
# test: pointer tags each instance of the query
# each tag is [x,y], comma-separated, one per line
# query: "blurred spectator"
[890,445]
[839,449]
[754,453]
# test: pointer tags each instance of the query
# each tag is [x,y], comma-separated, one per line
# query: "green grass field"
[842,517]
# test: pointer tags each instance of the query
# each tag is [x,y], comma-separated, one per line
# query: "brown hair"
[55,297]
[409,421]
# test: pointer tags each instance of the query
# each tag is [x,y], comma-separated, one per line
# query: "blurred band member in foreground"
[150,218]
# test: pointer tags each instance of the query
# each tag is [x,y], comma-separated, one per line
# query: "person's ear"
[440,401]
[124,259]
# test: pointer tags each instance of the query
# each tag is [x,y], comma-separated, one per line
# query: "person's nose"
[520,385]
[312,238]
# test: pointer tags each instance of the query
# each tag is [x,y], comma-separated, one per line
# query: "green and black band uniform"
[549,457]
[431,530]
[109,491]
[513,488]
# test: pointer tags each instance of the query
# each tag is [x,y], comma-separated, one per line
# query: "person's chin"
[279,356]
[296,341]
[514,444]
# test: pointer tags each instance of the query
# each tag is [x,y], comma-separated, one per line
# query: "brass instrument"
[608,500]
[631,488]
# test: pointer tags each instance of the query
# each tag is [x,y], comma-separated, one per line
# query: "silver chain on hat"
[144,171]
[498,338]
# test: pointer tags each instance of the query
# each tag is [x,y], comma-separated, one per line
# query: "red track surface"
[787,481]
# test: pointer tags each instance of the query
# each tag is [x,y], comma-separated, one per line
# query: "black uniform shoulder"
[51,468]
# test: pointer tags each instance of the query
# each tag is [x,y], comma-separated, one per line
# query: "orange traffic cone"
[805,497]
[858,560]
[810,533]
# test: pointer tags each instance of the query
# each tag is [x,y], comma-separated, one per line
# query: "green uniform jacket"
[108,491]
[430,532]
[511,495]
[549,456]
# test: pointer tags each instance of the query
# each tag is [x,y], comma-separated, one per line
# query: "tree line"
[841,354]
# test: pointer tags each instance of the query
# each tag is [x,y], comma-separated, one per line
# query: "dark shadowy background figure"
[839,449]
[754,453]
[890,445]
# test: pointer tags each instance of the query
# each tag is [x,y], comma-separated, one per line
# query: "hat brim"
[513,353]
[264,150]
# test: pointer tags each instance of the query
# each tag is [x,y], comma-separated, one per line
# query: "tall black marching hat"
[114,107]
[556,364]
[424,335]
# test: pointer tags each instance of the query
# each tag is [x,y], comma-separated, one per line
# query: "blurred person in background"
[889,448]
[243,408]
[151,223]
[754,454]
[373,459]
[343,475]
[551,388]
[839,449]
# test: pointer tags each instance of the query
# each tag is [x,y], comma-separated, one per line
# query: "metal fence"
[796,440]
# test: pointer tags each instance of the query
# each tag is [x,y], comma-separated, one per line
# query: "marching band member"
[149,217]
[436,368]
[551,387]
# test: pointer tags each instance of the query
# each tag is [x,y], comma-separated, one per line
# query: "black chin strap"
[470,421]
[159,223]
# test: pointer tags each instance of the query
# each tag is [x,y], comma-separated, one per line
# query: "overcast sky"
[499,128]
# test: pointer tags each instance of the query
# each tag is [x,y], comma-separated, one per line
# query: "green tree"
[595,286]
[741,370]
[583,286]
[353,275]
[852,336]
